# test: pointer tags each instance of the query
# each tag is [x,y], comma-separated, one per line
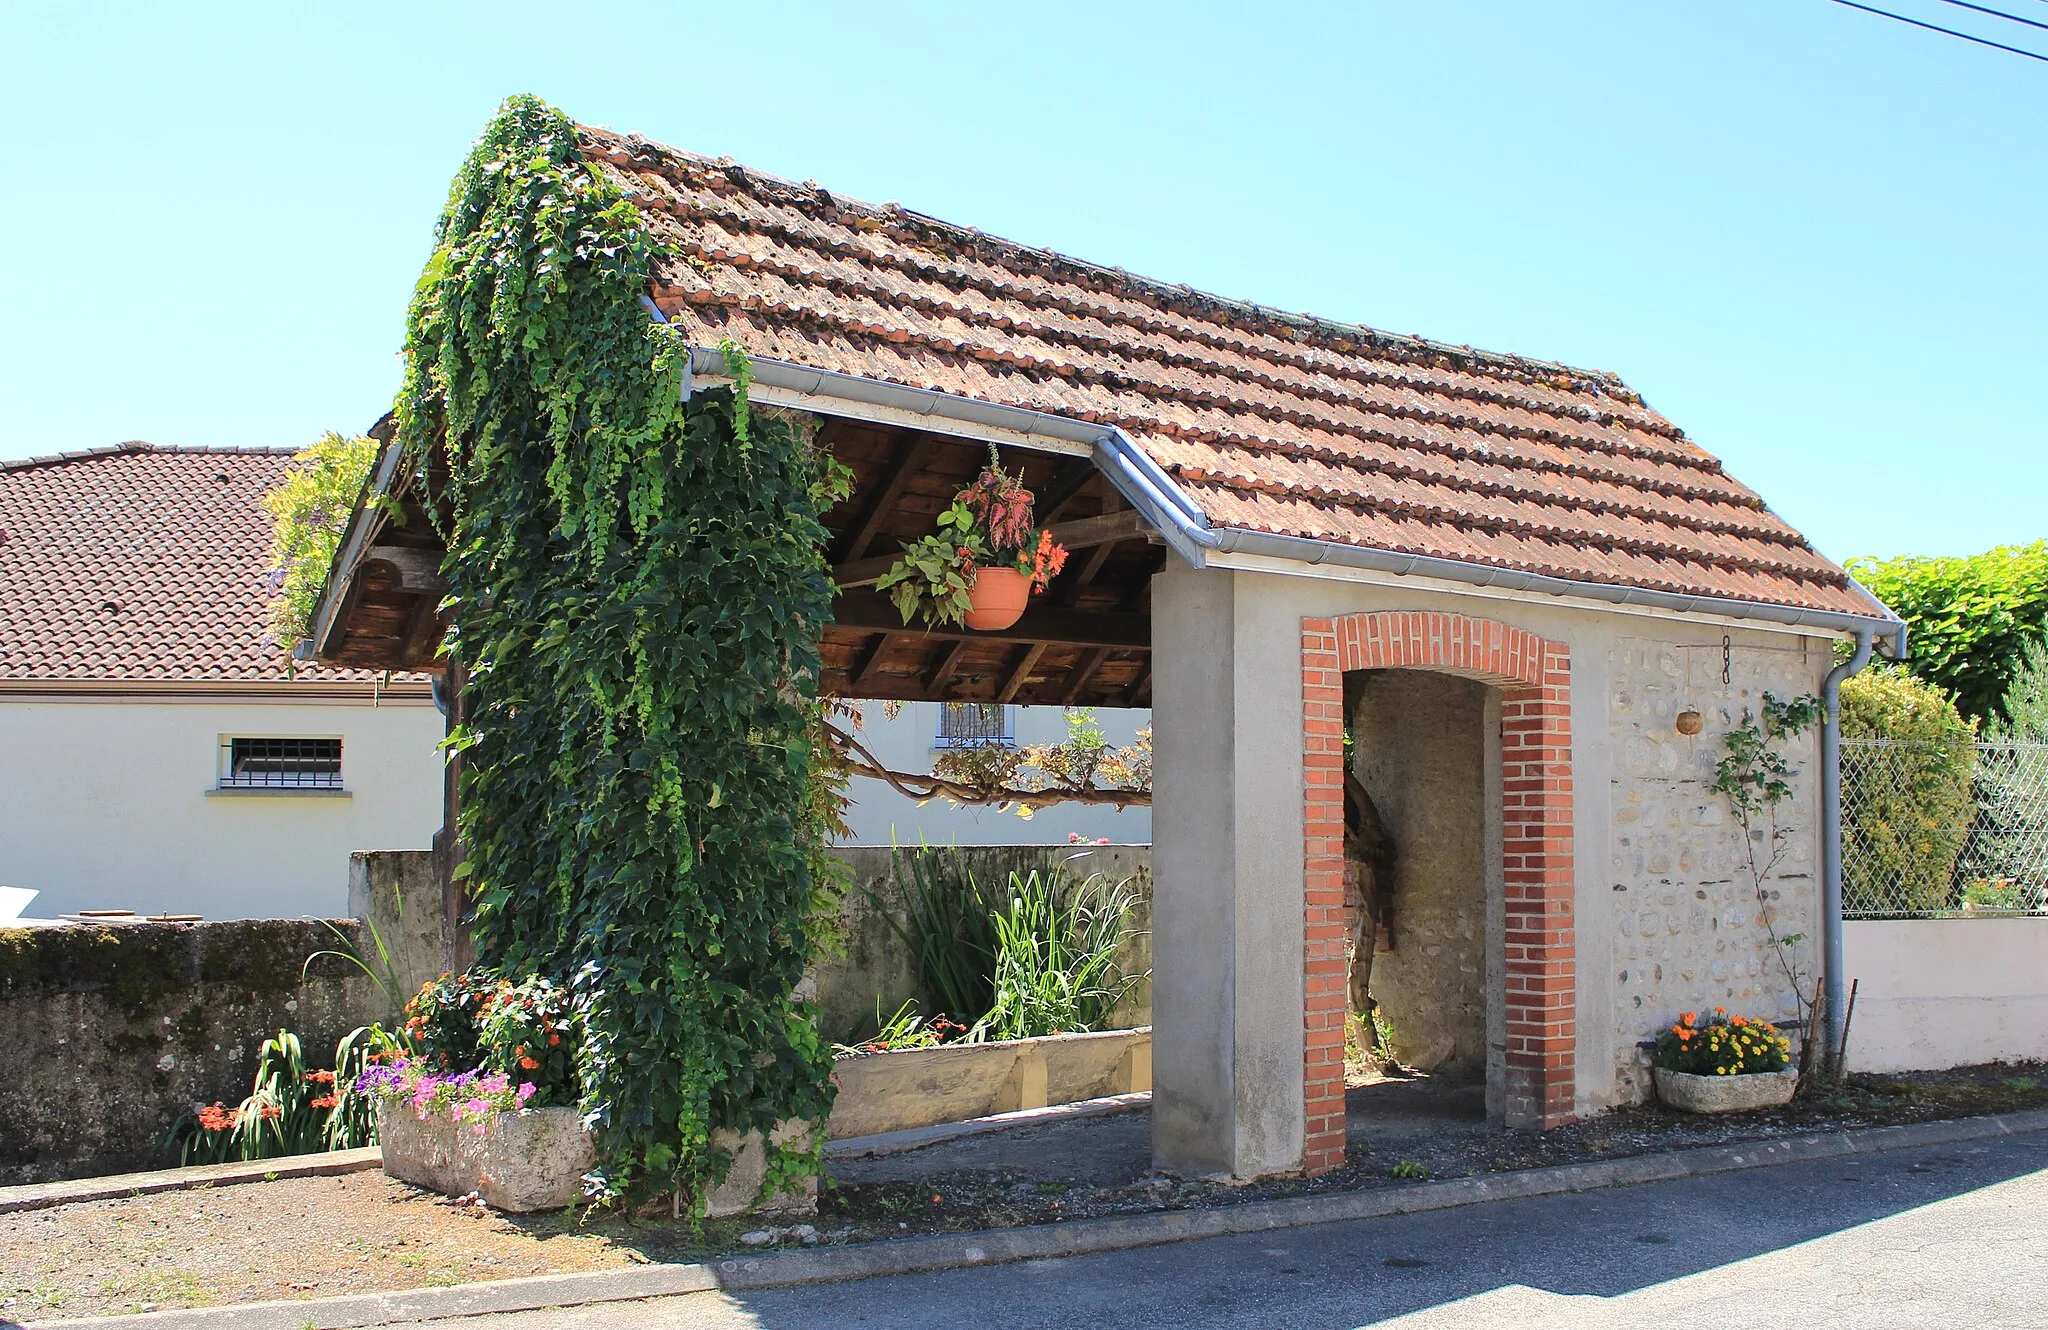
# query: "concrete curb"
[1082,1237]
[43,1195]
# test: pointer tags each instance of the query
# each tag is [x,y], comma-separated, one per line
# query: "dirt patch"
[361,1233]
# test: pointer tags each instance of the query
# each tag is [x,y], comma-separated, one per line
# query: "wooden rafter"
[1022,673]
[910,456]
[942,670]
[1057,493]
[870,659]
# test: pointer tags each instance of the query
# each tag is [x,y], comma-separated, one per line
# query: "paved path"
[1951,1237]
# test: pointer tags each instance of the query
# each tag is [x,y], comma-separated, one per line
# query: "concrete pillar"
[1227,920]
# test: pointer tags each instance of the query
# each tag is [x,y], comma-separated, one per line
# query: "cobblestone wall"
[1688,930]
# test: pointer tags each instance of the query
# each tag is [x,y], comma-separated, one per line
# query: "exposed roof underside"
[141,564]
[1268,421]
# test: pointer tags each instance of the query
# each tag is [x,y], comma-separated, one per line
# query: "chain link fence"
[1941,830]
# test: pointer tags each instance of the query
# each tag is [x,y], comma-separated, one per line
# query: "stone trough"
[921,1087]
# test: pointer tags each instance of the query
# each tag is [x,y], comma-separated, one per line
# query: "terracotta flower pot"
[999,596]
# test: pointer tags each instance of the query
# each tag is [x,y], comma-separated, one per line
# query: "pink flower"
[525,1091]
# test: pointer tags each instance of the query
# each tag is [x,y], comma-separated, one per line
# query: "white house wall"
[105,805]
[881,816]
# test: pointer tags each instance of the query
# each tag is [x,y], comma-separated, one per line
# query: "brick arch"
[1534,676]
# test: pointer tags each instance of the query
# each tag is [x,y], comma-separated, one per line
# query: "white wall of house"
[112,805]
[881,816]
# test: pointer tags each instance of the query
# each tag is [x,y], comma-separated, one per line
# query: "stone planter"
[1726,1094]
[535,1159]
[919,1087]
[530,1160]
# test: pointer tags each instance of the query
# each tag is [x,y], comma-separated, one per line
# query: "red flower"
[327,1101]
[528,1063]
[216,1118]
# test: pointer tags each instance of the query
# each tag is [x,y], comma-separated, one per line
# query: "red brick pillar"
[1534,676]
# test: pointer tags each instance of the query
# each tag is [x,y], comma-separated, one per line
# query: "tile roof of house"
[1269,421]
[140,563]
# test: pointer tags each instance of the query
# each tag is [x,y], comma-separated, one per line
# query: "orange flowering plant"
[1721,1045]
[290,1109]
[478,1020]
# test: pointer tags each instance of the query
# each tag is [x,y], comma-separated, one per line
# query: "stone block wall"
[1688,931]
[1418,743]
[110,1033]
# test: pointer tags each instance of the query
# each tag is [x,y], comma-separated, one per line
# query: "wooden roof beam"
[1083,533]
[1040,623]
[1020,675]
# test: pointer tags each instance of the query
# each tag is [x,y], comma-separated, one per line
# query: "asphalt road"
[1951,1237]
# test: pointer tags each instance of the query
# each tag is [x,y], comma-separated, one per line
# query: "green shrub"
[949,926]
[1907,804]
[1969,619]
[1056,948]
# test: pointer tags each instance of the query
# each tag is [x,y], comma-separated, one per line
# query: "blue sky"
[1811,237]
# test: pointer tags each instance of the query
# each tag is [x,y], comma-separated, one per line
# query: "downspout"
[1831,844]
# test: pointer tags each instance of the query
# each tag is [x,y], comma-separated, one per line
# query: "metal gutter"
[1188,532]
[1832,964]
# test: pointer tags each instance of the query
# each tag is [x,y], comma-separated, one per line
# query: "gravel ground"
[318,1237]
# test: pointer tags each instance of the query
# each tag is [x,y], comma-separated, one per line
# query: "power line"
[1997,13]
[1950,32]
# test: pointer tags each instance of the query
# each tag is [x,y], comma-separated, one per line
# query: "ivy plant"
[638,589]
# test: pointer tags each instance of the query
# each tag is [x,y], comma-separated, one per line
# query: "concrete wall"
[1227,937]
[1420,748]
[106,805]
[109,1034]
[1663,920]
[1935,993]
[881,816]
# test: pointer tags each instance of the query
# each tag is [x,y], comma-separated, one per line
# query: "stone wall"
[110,1033]
[1419,741]
[1687,928]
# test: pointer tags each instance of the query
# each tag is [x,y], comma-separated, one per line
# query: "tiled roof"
[1269,421]
[141,564]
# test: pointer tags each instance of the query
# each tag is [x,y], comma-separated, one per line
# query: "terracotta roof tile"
[141,564]
[1272,421]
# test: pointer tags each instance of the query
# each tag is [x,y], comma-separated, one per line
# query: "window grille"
[280,764]
[975,725]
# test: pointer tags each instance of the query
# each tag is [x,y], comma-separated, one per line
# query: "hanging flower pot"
[997,597]
[982,565]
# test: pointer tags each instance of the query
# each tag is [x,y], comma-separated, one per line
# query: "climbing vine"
[638,590]
[1755,777]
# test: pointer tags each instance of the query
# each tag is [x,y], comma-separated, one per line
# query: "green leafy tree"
[1907,810]
[2025,705]
[638,589]
[1969,619]
[308,510]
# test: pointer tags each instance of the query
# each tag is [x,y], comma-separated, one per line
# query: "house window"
[279,764]
[975,725]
